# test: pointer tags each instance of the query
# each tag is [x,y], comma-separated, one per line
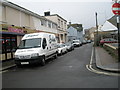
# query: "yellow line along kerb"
[89,67]
[3,71]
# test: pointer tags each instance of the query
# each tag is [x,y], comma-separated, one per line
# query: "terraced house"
[62,26]
[75,31]
[16,21]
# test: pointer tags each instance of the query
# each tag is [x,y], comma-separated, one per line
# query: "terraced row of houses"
[15,21]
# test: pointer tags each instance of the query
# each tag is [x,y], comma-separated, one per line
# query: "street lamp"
[116,11]
[97,43]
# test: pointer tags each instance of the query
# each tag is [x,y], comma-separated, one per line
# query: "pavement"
[105,61]
[7,64]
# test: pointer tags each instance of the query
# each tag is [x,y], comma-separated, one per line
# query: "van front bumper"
[29,61]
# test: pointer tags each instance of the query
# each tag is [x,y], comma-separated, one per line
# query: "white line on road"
[91,57]
[89,67]
[3,71]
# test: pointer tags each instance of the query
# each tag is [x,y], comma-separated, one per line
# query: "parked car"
[88,41]
[77,43]
[108,40]
[84,42]
[62,48]
[36,48]
[70,46]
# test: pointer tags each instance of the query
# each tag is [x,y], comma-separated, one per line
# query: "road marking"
[89,67]
[91,57]
[3,71]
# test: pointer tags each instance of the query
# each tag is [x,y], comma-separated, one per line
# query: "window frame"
[44,43]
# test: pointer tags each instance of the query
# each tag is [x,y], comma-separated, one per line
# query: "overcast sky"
[76,11]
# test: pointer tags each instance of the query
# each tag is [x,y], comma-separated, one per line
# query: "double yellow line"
[90,68]
[3,71]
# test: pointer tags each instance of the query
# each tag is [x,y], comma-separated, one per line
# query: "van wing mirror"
[14,49]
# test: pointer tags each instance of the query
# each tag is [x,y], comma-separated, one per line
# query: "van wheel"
[43,61]
[55,56]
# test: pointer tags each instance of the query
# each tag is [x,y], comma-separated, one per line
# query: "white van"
[36,48]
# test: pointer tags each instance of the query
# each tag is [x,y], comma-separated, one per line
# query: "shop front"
[9,41]
[10,37]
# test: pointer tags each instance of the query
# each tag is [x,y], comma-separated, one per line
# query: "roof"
[36,35]
[15,6]
[108,27]
[56,15]
[113,20]
[76,26]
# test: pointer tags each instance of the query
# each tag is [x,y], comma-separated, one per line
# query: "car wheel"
[66,51]
[43,61]
[61,53]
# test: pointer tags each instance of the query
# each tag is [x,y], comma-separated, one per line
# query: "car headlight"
[34,54]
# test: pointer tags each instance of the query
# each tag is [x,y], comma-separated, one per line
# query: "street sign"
[116,8]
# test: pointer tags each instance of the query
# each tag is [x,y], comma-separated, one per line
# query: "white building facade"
[15,15]
[16,21]
[62,26]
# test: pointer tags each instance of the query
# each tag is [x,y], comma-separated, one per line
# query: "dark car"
[108,40]
[88,41]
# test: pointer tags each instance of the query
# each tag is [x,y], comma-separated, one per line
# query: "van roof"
[35,35]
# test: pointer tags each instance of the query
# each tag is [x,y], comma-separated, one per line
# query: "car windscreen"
[30,43]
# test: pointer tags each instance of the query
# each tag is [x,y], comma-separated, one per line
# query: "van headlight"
[16,56]
[34,55]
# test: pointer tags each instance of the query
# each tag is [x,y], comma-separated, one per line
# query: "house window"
[65,26]
[49,24]
[58,23]
[54,26]
[62,25]
[43,22]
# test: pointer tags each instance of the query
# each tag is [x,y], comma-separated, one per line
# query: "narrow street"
[67,71]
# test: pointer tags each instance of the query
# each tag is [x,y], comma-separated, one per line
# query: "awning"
[13,33]
[108,27]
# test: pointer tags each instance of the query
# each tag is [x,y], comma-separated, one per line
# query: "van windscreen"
[30,43]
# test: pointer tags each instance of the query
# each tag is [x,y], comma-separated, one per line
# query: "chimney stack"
[69,23]
[47,13]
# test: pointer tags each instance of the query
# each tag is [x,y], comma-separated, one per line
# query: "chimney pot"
[47,13]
